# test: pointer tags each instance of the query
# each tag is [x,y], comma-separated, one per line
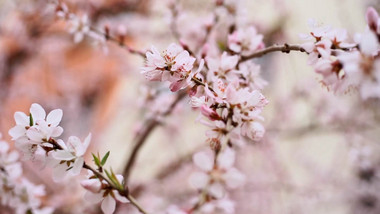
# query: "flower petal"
[54,117]
[108,205]
[216,190]
[120,198]
[59,172]
[93,198]
[34,135]
[17,132]
[21,118]
[37,112]
[78,164]
[226,159]
[63,155]
[203,161]
[199,180]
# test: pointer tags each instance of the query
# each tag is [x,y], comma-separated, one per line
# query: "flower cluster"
[16,191]
[174,65]
[36,136]
[344,65]
[229,98]
[79,25]
[245,41]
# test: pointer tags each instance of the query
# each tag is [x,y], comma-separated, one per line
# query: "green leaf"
[113,179]
[31,122]
[104,159]
[96,160]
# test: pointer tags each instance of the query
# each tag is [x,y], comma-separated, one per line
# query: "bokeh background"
[320,153]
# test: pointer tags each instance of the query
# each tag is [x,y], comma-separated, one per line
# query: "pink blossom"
[373,20]
[69,160]
[105,195]
[222,68]
[214,178]
[79,27]
[245,41]
[174,65]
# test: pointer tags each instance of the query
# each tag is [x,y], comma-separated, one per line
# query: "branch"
[285,48]
[119,42]
[150,125]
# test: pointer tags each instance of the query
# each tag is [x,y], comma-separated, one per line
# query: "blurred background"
[320,153]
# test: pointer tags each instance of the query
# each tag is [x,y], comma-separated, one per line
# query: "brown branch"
[173,24]
[119,42]
[140,139]
[285,48]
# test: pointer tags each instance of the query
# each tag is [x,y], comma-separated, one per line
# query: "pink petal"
[37,112]
[234,178]
[21,118]
[54,117]
[59,172]
[57,131]
[17,132]
[217,190]
[78,164]
[203,161]
[108,205]
[226,159]
[34,135]
[120,198]
[372,18]
[94,198]
[199,180]
[92,185]
[62,155]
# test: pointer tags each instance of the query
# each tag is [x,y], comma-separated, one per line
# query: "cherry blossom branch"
[285,48]
[81,27]
[150,125]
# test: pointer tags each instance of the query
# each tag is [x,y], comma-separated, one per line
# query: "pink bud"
[372,18]
[92,185]
[210,113]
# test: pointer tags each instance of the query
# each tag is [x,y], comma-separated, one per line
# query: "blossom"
[174,65]
[245,40]
[250,76]
[34,131]
[99,191]
[222,68]
[215,177]
[79,27]
[49,125]
[28,198]
[253,130]
[70,158]
[361,68]
[17,191]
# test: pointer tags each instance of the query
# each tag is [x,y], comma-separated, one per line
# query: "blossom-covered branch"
[36,136]
[80,27]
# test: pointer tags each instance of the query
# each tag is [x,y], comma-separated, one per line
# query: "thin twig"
[285,48]
[150,125]
[173,24]
[118,42]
